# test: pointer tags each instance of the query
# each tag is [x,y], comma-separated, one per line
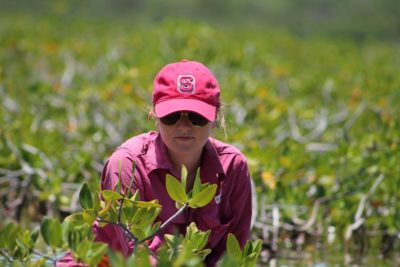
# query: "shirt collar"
[157,154]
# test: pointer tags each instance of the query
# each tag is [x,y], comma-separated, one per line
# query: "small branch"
[312,218]
[9,259]
[151,252]
[320,147]
[375,185]
[358,219]
[120,209]
[365,197]
[165,224]
[11,173]
[275,227]
[44,256]
[126,230]
[179,212]
[321,124]
[353,227]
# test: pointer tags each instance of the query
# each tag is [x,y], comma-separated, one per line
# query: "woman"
[186,102]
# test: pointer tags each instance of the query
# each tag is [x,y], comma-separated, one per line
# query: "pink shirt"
[222,164]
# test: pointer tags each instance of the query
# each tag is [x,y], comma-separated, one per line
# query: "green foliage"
[135,217]
[316,117]
[189,249]
[203,197]
[176,189]
[236,257]
[85,197]
[51,232]
[200,195]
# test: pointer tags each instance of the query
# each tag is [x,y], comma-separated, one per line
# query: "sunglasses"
[194,118]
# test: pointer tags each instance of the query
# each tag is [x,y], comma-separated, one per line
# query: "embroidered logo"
[218,198]
[186,84]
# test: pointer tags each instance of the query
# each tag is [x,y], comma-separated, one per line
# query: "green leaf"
[75,219]
[89,216]
[142,258]
[96,202]
[52,232]
[251,259]
[179,205]
[138,216]
[147,204]
[17,263]
[117,259]
[82,250]
[248,248]
[203,253]
[169,239]
[34,235]
[184,176]
[155,228]
[56,233]
[96,253]
[233,247]
[175,189]
[85,197]
[251,252]
[172,241]
[110,195]
[135,196]
[45,230]
[7,235]
[128,211]
[257,245]
[203,239]
[197,183]
[203,197]
[138,232]
[129,194]
[148,217]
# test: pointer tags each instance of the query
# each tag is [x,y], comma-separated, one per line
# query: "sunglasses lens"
[197,119]
[171,119]
[194,118]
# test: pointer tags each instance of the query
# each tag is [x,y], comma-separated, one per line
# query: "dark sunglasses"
[194,118]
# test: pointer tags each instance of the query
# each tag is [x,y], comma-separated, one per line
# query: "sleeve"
[119,165]
[241,205]
[240,201]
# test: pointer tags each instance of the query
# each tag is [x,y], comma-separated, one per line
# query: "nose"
[184,121]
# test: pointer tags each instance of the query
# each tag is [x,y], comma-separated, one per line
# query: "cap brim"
[169,106]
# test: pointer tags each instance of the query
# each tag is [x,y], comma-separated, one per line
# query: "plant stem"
[9,259]
[165,224]
[53,260]
[126,230]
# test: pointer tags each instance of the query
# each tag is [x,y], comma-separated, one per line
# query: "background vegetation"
[311,91]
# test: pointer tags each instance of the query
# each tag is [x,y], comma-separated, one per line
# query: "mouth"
[184,138]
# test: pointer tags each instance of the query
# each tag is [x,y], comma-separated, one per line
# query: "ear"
[151,115]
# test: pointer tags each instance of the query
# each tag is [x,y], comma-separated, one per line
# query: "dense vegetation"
[317,117]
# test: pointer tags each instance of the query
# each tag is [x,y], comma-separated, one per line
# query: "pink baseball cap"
[186,86]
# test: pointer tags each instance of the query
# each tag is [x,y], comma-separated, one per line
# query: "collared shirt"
[221,164]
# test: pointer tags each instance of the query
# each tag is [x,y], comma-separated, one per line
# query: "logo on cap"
[186,84]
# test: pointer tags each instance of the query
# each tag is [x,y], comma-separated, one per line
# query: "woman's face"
[183,137]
